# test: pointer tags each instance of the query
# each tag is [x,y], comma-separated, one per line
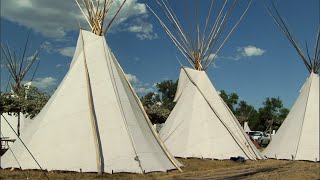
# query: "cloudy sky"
[256,62]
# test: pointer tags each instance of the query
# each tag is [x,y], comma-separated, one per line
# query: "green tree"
[30,105]
[153,106]
[167,89]
[35,100]
[279,120]
[150,99]
[11,104]
[157,113]
[2,103]
[159,105]
[245,112]
[230,99]
[271,115]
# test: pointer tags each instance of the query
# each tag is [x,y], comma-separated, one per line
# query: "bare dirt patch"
[196,169]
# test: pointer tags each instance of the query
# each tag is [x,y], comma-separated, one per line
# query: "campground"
[197,169]
[96,112]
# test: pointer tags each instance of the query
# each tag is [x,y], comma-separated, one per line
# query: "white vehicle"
[255,134]
[261,137]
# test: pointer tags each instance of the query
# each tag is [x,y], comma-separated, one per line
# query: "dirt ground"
[196,169]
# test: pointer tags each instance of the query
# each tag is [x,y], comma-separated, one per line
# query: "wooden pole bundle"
[18,65]
[96,13]
[199,48]
[312,63]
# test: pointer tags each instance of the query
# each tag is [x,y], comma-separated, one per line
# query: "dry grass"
[197,169]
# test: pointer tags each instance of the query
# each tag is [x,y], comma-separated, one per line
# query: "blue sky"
[256,62]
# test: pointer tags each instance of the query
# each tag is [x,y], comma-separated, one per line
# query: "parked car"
[255,134]
[262,138]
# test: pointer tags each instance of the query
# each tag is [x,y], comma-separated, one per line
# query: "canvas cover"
[75,133]
[201,125]
[298,136]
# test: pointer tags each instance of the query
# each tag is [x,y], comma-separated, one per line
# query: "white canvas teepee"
[201,125]
[246,127]
[298,136]
[94,122]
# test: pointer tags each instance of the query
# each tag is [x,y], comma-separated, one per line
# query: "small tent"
[94,122]
[298,136]
[246,127]
[201,124]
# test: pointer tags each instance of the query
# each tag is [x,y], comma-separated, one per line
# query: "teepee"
[298,136]
[201,124]
[246,127]
[94,122]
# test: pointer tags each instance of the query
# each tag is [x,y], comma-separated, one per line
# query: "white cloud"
[47,47]
[234,58]
[143,90]
[213,55]
[67,51]
[132,78]
[136,59]
[30,58]
[44,83]
[130,9]
[139,87]
[143,30]
[155,84]
[50,18]
[54,18]
[136,29]
[249,51]
[52,48]
[214,65]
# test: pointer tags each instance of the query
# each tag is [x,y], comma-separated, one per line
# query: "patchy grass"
[196,169]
